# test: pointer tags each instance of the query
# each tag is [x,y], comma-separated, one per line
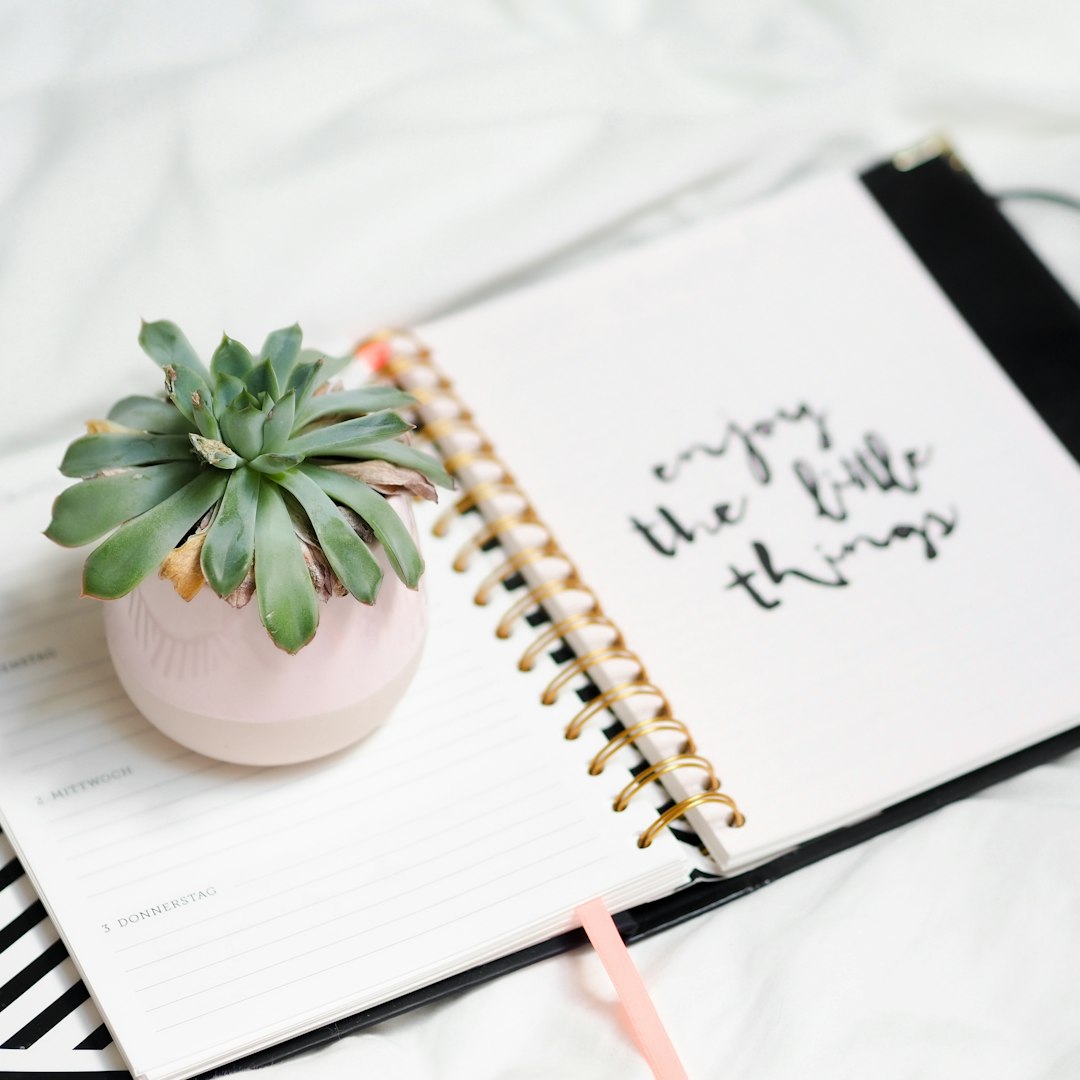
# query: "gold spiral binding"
[408,358]
[492,531]
[630,735]
[401,363]
[457,461]
[538,594]
[661,768]
[446,425]
[509,567]
[489,489]
[616,650]
[636,688]
[680,809]
[397,366]
[558,630]
[425,395]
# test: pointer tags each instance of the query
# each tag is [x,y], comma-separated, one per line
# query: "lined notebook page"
[213,908]
[839,539]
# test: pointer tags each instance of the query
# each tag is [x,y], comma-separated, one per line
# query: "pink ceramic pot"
[208,675]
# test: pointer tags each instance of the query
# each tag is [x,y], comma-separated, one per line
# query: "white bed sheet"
[350,165]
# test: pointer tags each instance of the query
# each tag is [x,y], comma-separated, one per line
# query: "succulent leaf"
[348,555]
[283,587]
[230,541]
[149,414]
[138,547]
[305,377]
[262,379]
[227,389]
[389,529]
[272,464]
[398,453]
[230,358]
[282,351]
[349,403]
[279,424]
[85,512]
[165,344]
[241,427]
[305,381]
[205,421]
[349,435]
[182,384]
[117,450]
[331,365]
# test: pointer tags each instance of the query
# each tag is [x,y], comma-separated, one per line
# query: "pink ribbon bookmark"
[648,1028]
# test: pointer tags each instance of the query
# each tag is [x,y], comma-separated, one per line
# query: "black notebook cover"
[1032,327]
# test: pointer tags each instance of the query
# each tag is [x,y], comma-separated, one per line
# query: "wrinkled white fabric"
[242,166]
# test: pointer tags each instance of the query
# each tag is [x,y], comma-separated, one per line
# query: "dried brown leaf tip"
[358,524]
[389,479]
[322,576]
[181,566]
[242,594]
[104,427]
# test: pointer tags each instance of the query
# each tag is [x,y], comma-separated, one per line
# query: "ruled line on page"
[140,732]
[510,826]
[246,772]
[127,711]
[82,812]
[502,899]
[57,588]
[483,797]
[352,913]
[314,794]
[80,688]
[208,853]
[107,692]
[52,603]
[26,629]
[399,918]
[103,717]
[243,773]
[17,685]
[368,795]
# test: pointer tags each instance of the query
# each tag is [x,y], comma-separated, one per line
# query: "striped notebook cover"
[48,1024]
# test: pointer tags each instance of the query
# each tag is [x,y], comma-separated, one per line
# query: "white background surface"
[241,166]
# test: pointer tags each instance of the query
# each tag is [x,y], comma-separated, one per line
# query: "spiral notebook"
[747,524]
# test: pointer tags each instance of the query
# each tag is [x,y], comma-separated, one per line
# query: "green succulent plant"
[255,475]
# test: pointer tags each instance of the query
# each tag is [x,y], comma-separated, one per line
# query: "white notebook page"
[214,909]
[698,423]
